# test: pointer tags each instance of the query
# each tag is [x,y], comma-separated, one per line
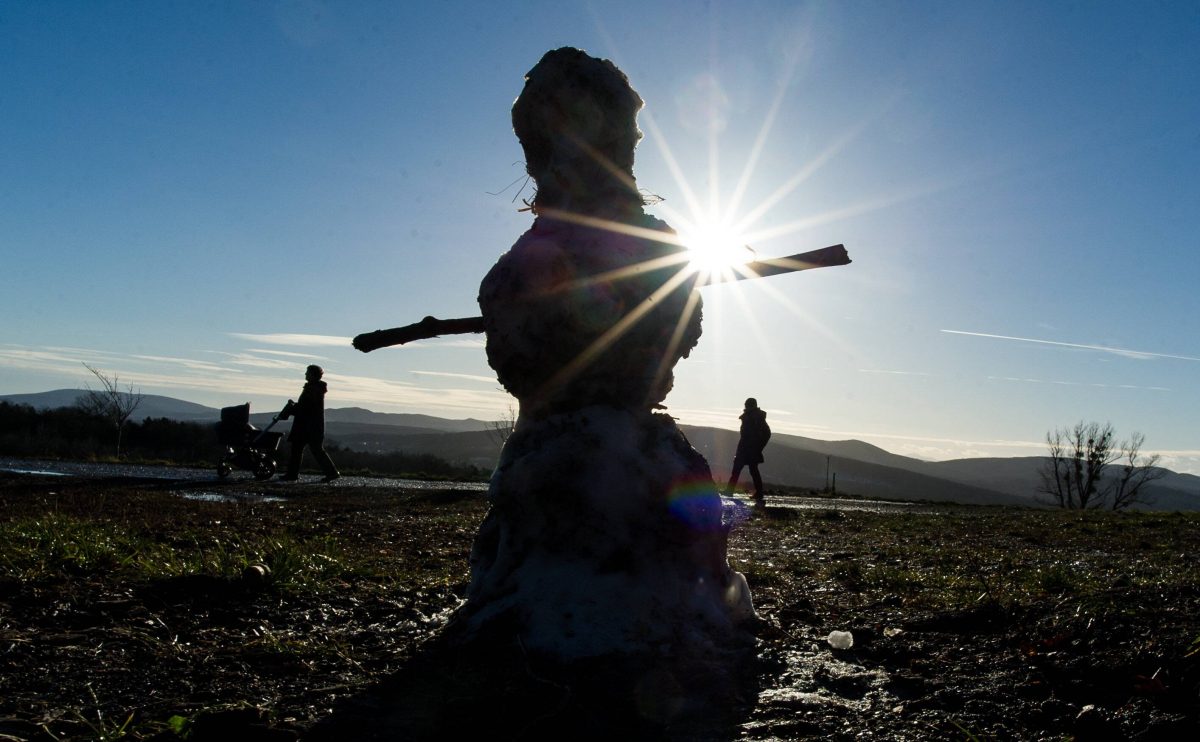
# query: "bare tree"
[110,402]
[1056,473]
[1135,474]
[1079,472]
[500,430]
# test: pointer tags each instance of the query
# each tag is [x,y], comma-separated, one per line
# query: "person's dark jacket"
[755,434]
[308,423]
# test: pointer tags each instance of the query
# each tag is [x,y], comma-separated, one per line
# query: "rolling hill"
[152,405]
[155,406]
[852,466]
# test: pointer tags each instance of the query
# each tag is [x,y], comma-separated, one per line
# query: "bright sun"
[715,248]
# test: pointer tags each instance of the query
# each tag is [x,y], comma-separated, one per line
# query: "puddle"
[36,472]
[735,510]
[840,503]
[413,484]
[201,496]
[738,506]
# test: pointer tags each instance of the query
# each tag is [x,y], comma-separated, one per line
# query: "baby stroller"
[245,446]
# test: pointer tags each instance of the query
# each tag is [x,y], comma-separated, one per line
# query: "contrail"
[1105,348]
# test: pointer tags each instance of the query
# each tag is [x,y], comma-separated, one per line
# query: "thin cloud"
[256,362]
[373,391]
[1193,453]
[1137,354]
[474,344]
[707,418]
[449,375]
[1183,462]
[287,353]
[294,338]
[36,359]
[896,373]
[1097,385]
[67,361]
[185,362]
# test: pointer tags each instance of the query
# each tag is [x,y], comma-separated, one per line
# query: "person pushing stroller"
[308,426]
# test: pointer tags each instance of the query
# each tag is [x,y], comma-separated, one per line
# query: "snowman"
[605,534]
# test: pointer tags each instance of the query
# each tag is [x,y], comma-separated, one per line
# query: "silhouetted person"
[308,427]
[755,434]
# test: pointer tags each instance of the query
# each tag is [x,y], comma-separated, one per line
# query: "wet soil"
[967,623]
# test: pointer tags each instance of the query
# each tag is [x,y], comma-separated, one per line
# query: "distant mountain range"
[854,466]
[153,405]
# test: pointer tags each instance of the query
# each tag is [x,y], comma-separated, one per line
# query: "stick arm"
[826,257]
[431,327]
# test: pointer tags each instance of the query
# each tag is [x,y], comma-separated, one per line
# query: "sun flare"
[715,248]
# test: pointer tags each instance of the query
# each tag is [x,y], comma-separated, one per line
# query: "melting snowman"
[604,534]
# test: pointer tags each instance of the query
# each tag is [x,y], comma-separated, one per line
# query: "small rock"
[840,639]
[256,574]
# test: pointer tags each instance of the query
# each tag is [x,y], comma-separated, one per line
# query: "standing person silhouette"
[755,434]
[308,428]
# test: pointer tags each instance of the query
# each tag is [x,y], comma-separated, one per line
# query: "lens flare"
[696,503]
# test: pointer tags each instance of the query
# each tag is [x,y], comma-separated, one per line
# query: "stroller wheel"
[223,469]
[264,469]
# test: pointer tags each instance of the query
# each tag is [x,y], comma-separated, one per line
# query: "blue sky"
[202,198]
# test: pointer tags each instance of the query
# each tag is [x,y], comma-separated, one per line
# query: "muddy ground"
[127,611]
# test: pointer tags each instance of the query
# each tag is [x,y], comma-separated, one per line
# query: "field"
[127,612]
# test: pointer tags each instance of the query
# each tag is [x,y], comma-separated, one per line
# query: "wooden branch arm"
[826,257]
[430,327]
